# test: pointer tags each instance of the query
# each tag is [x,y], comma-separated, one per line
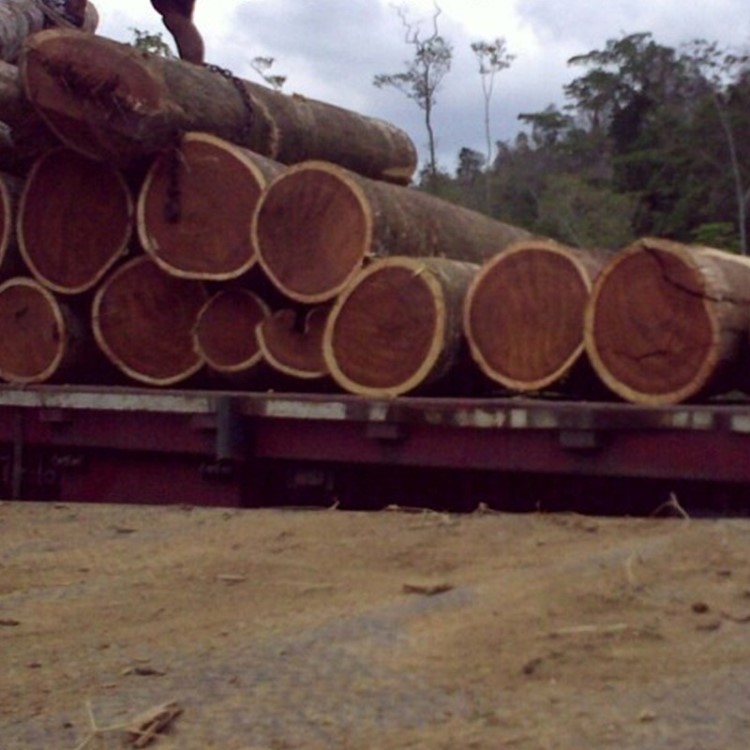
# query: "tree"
[423,76]
[262,66]
[719,69]
[152,42]
[492,57]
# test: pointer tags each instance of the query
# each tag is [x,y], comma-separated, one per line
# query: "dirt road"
[326,629]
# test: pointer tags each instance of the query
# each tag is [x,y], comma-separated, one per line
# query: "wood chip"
[231,578]
[9,623]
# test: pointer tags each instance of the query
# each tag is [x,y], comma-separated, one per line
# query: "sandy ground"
[325,629]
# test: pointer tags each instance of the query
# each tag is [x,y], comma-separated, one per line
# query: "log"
[112,101]
[76,220]
[523,317]
[41,339]
[397,328]
[196,205]
[225,334]
[317,224]
[292,343]
[143,321]
[667,323]
[19,19]
[11,263]
[26,135]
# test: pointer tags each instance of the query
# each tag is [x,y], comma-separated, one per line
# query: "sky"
[332,49]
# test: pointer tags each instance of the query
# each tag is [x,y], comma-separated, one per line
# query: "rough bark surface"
[112,101]
[524,313]
[143,320]
[196,205]
[668,322]
[397,328]
[21,18]
[76,219]
[317,224]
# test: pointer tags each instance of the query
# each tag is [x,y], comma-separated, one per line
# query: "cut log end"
[75,220]
[77,80]
[524,314]
[225,333]
[386,331]
[312,231]
[143,321]
[33,332]
[196,208]
[650,330]
[293,347]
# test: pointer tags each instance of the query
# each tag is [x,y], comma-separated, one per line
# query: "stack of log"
[182,226]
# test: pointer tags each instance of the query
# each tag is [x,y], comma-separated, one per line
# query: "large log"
[143,321]
[524,313]
[76,219]
[397,328]
[21,18]
[112,101]
[667,323]
[317,224]
[292,343]
[196,205]
[225,334]
[41,339]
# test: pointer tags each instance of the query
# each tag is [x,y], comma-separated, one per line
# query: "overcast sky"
[331,49]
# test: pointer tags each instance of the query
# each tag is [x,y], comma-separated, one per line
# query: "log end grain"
[196,206]
[225,332]
[651,328]
[386,331]
[524,314]
[312,231]
[294,346]
[33,332]
[143,321]
[82,84]
[75,220]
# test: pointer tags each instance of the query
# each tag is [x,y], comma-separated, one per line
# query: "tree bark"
[397,328]
[196,205]
[292,343]
[143,321]
[317,224]
[41,339]
[524,313]
[667,322]
[76,219]
[19,19]
[225,334]
[111,101]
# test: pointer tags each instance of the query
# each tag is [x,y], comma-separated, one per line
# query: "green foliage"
[719,234]
[152,42]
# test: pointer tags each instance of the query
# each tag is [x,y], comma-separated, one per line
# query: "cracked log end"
[83,85]
[659,327]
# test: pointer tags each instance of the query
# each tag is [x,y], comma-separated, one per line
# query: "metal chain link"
[173,203]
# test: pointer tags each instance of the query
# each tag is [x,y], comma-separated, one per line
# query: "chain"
[239,85]
[173,202]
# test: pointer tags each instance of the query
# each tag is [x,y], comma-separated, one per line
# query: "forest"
[650,141]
